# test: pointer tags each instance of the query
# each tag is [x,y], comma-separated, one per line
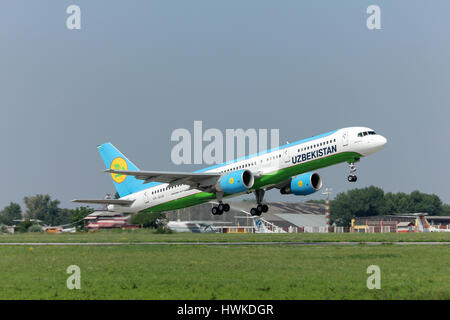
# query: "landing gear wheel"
[226,207]
[216,211]
[255,212]
[352,178]
[260,208]
[220,206]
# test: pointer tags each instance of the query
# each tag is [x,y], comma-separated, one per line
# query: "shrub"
[148,220]
[3,228]
[163,229]
[35,228]
[24,225]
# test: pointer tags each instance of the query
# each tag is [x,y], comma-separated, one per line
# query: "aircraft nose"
[382,141]
[374,144]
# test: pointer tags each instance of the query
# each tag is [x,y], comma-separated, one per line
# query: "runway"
[262,243]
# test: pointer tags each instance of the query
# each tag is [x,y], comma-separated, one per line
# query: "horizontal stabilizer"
[106,201]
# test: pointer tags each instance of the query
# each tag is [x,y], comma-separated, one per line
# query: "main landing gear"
[260,208]
[222,207]
[352,177]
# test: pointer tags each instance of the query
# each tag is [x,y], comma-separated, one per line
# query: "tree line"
[42,207]
[372,201]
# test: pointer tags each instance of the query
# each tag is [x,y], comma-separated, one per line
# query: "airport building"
[396,223]
[293,217]
[282,217]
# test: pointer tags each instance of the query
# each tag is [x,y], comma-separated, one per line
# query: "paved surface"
[217,243]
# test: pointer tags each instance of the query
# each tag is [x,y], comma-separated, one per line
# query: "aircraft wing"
[105,201]
[194,179]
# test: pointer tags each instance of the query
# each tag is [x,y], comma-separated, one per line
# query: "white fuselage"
[338,141]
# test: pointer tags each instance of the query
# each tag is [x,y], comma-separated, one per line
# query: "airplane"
[192,226]
[287,168]
[424,225]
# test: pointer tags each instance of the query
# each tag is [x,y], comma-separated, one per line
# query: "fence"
[316,229]
[338,229]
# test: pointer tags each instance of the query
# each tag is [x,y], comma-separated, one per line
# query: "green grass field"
[145,235]
[224,271]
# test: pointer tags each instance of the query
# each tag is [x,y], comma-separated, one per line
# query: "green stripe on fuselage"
[268,179]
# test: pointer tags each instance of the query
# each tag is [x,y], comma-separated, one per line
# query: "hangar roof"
[304,220]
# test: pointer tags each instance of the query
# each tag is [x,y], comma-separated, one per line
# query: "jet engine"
[236,182]
[303,184]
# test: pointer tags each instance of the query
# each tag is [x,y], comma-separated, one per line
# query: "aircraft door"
[345,138]
[286,157]
[146,197]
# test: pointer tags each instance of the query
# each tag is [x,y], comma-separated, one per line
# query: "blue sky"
[138,70]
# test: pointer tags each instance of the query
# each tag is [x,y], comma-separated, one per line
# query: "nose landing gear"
[352,177]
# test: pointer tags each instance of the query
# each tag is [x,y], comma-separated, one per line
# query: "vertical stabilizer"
[114,159]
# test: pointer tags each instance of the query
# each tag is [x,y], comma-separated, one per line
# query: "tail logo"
[119,164]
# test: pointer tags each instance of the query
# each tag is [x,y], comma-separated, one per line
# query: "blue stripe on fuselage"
[154,184]
[268,151]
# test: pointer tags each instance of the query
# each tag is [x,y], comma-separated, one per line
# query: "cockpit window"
[365,133]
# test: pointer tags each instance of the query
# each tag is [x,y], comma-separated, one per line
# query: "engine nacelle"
[235,182]
[303,184]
